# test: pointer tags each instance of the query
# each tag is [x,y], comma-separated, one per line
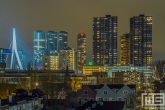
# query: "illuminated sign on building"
[90,63]
[5,51]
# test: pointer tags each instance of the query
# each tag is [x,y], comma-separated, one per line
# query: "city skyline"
[29,16]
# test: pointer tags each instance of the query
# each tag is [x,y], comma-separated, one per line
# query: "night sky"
[74,16]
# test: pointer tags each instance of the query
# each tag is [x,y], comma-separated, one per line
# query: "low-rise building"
[15,78]
[23,101]
[11,81]
[90,70]
[111,92]
[85,94]
[142,76]
[3,57]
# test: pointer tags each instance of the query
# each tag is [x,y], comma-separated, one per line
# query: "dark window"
[85,92]
[119,99]
[105,92]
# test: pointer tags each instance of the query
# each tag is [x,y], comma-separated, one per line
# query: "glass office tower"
[62,40]
[39,49]
[51,43]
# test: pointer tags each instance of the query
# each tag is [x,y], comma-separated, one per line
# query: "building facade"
[3,54]
[90,70]
[50,62]
[62,40]
[3,58]
[28,101]
[110,92]
[125,50]
[67,57]
[39,49]
[81,51]
[105,40]
[51,43]
[141,40]
[142,76]
[84,95]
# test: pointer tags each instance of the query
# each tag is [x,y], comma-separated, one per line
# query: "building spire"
[67,70]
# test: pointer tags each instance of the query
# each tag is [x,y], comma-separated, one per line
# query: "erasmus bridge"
[21,56]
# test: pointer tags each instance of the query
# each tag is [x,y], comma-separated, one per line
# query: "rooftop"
[103,105]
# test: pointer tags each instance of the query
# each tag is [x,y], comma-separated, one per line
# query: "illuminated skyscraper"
[51,43]
[62,40]
[125,50]
[39,49]
[81,51]
[141,40]
[67,57]
[105,40]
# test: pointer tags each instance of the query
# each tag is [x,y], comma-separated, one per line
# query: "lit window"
[105,99]
[110,99]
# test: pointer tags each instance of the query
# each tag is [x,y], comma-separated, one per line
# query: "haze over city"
[82,54]
[74,16]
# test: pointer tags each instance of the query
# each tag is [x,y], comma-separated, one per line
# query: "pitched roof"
[94,87]
[119,86]
[111,86]
[132,86]
[115,86]
[37,92]
[21,92]
[67,71]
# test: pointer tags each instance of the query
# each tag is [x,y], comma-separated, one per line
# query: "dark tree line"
[57,91]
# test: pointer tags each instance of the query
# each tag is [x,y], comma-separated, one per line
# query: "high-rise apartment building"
[62,40]
[105,40]
[81,51]
[125,50]
[39,49]
[141,40]
[51,43]
[67,57]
